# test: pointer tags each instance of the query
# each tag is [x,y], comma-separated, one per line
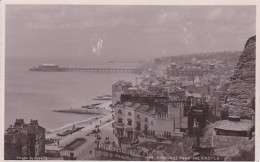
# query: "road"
[106,131]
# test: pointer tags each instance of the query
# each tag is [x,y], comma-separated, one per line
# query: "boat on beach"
[70,131]
[92,106]
[104,97]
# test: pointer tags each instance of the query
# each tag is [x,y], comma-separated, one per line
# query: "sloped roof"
[52,148]
[224,87]
[146,109]
[242,125]
[187,94]
[196,95]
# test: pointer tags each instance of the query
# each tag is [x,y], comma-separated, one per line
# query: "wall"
[163,124]
[181,121]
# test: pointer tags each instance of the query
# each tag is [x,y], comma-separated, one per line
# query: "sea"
[34,95]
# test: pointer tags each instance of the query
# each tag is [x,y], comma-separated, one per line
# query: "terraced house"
[156,116]
[24,141]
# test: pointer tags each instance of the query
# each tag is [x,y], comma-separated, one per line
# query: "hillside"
[225,56]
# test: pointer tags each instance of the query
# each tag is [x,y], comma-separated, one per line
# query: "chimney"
[19,122]
[196,134]
[224,115]
[34,122]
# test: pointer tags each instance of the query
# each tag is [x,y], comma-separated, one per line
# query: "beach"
[103,121]
[106,115]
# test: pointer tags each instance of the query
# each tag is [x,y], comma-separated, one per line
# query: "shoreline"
[80,111]
[85,123]
[77,124]
[100,109]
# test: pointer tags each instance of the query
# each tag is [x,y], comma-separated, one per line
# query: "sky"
[143,32]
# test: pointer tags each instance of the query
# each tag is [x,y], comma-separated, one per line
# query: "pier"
[56,68]
[97,70]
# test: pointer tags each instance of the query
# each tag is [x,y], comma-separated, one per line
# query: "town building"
[188,71]
[46,67]
[134,120]
[157,113]
[118,88]
[24,141]
[49,67]
[201,89]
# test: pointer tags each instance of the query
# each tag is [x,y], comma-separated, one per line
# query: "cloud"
[134,30]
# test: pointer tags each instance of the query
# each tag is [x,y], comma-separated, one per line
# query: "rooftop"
[146,109]
[129,104]
[196,95]
[132,89]
[234,125]
[52,148]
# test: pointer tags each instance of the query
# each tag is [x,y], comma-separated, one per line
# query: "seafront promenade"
[83,151]
[105,131]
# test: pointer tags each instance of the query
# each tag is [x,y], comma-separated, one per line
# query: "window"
[138,117]
[119,112]
[129,122]
[120,120]
[221,98]
[129,113]
[146,120]
[138,126]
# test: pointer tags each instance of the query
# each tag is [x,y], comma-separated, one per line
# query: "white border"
[135,2]
[2,81]
[257,89]
[126,2]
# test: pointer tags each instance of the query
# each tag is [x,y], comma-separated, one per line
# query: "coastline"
[101,109]
[81,111]
[77,124]
[106,115]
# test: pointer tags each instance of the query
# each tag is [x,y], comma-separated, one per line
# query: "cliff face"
[241,92]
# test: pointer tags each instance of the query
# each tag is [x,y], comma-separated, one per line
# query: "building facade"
[174,71]
[24,140]
[117,89]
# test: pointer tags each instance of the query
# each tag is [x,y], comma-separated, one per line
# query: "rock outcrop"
[240,100]
[241,92]
[245,153]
